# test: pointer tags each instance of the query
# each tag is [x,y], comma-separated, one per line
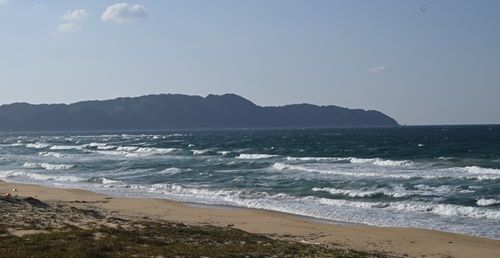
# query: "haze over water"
[441,177]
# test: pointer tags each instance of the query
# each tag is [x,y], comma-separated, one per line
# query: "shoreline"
[391,240]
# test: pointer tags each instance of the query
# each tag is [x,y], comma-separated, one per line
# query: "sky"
[420,62]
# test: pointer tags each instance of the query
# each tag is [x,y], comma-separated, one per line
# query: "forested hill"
[175,111]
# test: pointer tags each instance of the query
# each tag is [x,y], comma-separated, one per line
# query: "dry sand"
[395,241]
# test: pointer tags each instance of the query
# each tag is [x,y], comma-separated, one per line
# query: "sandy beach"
[402,242]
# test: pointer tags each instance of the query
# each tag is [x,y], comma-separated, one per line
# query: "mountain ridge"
[179,111]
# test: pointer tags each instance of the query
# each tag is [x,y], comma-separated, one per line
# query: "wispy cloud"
[71,19]
[124,12]
[68,27]
[76,15]
[379,69]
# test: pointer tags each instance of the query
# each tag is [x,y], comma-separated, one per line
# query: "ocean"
[444,178]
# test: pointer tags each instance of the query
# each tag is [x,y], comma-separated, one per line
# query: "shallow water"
[443,178]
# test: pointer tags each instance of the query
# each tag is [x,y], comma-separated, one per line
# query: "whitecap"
[480,170]
[383,162]
[155,151]
[107,181]
[316,159]
[39,177]
[255,156]
[171,171]
[354,160]
[96,144]
[67,147]
[37,145]
[51,154]
[199,152]
[487,202]
[360,193]
[48,166]
[106,147]
[127,148]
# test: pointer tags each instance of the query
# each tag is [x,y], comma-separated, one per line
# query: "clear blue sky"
[421,62]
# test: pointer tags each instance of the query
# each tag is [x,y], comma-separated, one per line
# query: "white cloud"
[71,19]
[76,15]
[68,27]
[124,12]
[379,69]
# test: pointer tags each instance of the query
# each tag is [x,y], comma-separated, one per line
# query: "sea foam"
[37,145]
[255,156]
[47,166]
[487,202]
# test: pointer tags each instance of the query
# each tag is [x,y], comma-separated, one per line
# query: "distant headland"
[177,111]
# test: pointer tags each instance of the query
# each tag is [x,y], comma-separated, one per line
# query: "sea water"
[441,177]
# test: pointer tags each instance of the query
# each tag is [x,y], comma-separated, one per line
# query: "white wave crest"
[354,160]
[360,193]
[106,147]
[176,135]
[107,181]
[447,210]
[487,202]
[48,166]
[127,148]
[474,172]
[96,144]
[155,151]
[39,177]
[316,159]
[200,152]
[481,171]
[51,154]
[442,189]
[255,156]
[383,162]
[37,145]
[171,171]
[132,151]
[67,147]
[331,171]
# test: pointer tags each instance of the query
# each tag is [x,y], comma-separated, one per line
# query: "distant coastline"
[176,111]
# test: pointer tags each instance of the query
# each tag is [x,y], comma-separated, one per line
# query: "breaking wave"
[48,166]
[255,156]
[487,202]
[40,177]
[38,145]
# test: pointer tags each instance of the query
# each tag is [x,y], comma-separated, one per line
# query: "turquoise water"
[443,178]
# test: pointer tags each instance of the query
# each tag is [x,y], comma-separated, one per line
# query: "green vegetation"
[155,239]
[31,228]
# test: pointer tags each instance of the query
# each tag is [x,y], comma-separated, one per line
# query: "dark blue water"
[444,178]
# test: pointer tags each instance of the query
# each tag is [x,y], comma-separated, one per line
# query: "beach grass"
[159,239]
[45,230]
